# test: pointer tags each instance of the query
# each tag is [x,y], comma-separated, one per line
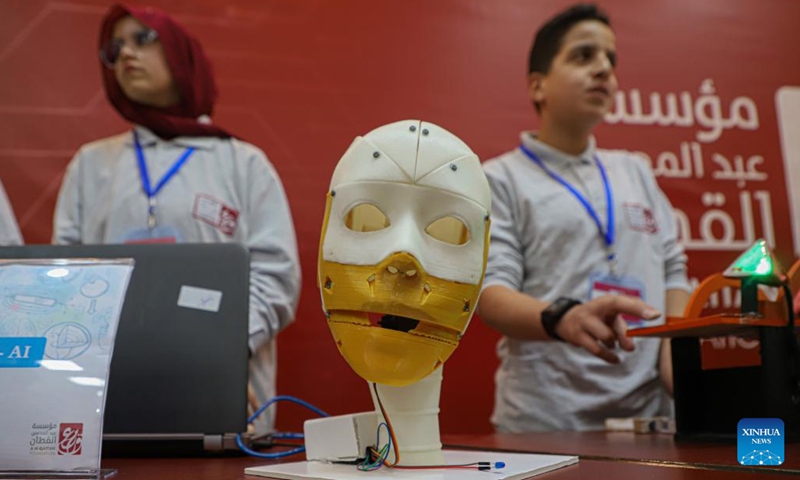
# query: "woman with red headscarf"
[176,177]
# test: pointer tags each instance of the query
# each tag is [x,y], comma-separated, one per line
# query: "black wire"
[270,444]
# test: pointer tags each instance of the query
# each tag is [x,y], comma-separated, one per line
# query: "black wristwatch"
[553,314]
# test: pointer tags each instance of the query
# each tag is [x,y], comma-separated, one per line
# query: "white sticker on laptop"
[199,298]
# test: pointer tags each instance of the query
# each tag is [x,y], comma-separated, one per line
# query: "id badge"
[606,284]
[158,234]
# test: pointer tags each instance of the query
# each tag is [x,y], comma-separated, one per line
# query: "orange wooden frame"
[691,324]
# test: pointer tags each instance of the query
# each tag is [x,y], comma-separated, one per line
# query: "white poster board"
[517,466]
[58,320]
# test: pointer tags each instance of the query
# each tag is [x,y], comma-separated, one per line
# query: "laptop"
[179,370]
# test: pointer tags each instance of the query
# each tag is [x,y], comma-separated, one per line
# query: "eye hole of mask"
[366,217]
[450,230]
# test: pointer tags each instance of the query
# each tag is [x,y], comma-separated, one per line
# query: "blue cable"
[287,435]
[270,456]
[287,398]
[249,451]
[378,443]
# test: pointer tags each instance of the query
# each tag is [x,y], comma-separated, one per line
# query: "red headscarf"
[191,72]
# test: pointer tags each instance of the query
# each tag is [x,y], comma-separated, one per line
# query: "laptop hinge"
[213,443]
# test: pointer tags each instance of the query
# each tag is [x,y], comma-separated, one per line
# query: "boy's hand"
[598,326]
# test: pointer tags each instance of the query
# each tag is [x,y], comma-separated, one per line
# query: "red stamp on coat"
[213,212]
[640,218]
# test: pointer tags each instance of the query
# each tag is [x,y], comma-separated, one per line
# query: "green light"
[756,261]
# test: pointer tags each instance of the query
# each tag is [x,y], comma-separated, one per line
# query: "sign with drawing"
[58,320]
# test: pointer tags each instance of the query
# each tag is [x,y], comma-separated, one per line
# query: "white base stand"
[517,466]
[414,413]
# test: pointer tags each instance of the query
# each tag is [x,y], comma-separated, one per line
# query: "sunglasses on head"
[110,52]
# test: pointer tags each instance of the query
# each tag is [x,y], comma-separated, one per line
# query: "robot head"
[403,249]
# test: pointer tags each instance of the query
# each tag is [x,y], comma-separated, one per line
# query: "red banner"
[710,95]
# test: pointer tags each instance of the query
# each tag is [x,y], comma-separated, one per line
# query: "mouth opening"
[401,324]
[392,322]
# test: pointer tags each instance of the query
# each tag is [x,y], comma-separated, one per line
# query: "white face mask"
[406,234]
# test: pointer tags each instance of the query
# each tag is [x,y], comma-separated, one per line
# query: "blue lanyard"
[146,186]
[167,176]
[608,233]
